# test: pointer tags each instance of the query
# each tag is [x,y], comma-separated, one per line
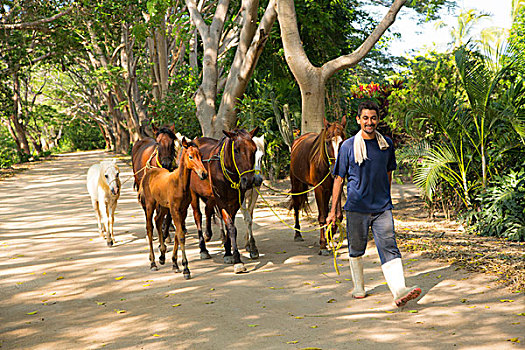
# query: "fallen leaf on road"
[155,335]
[292,342]
[514,340]
[119,278]
[331,301]
[506,300]
[175,305]
[252,325]
[413,311]
[32,313]
[120,311]
[101,303]
[60,278]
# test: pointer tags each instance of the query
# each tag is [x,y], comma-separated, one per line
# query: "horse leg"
[197,216]
[181,238]
[208,211]
[112,208]
[251,199]
[104,209]
[161,230]
[149,231]
[175,266]
[166,227]
[231,242]
[321,198]
[99,218]
[298,201]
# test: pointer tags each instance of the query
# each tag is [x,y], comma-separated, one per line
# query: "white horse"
[250,199]
[103,184]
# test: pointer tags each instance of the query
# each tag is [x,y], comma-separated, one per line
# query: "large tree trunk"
[207,92]
[312,79]
[251,45]
[16,127]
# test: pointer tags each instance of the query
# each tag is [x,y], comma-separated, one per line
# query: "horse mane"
[318,153]
[166,130]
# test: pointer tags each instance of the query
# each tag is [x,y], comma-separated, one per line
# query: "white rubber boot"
[356,268]
[395,278]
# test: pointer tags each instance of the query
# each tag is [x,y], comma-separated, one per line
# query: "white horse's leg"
[112,208]
[99,219]
[104,210]
[247,213]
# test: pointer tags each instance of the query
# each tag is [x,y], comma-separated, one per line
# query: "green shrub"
[81,135]
[502,212]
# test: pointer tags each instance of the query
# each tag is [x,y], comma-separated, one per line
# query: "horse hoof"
[239,268]
[187,276]
[298,238]
[176,269]
[205,255]
[324,252]
[154,268]
[162,260]
[109,243]
[254,254]
[228,259]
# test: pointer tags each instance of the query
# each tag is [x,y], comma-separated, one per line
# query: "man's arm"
[336,198]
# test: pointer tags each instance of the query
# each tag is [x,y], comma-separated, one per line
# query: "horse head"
[242,160]
[335,134]
[259,142]
[192,159]
[111,176]
[165,137]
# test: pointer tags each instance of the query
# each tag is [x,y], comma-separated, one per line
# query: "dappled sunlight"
[63,288]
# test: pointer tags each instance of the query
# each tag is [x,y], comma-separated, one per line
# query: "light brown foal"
[165,191]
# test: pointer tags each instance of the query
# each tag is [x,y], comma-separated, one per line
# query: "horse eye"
[106,176]
[190,157]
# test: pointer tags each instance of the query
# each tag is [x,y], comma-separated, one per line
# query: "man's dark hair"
[368,104]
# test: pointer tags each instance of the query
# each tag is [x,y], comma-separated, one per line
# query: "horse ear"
[172,127]
[326,123]
[184,142]
[343,121]
[154,128]
[228,133]
[254,131]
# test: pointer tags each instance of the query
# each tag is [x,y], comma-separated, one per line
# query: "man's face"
[368,121]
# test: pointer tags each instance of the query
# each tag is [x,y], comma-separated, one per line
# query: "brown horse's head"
[335,134]
[242,161]
[165,137]
[192,159]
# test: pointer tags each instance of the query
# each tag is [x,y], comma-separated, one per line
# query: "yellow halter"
[233,184]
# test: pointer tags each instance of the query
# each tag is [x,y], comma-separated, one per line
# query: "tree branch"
[35,24]
[347,61]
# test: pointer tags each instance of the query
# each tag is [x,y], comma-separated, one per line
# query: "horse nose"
[204,175]
[246,182]
[257,180]
[167,164]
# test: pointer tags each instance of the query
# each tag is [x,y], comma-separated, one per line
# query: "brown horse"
[230,163]
[165,191]
[154,153]
[310,161]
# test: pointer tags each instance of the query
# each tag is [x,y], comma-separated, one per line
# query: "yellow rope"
[311,189]
[234,185]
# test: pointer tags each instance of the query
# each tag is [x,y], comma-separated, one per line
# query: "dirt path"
[62,288]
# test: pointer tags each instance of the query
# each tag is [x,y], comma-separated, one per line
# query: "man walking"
[367,161]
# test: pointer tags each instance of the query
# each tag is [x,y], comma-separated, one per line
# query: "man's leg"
[357,235]
[383,229]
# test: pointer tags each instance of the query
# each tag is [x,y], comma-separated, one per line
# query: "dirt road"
[63,288]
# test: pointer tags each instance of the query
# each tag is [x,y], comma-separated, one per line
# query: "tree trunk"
[312,80]
[251,45]
[15,118]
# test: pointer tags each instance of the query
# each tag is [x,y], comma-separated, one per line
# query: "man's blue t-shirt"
[368,188]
